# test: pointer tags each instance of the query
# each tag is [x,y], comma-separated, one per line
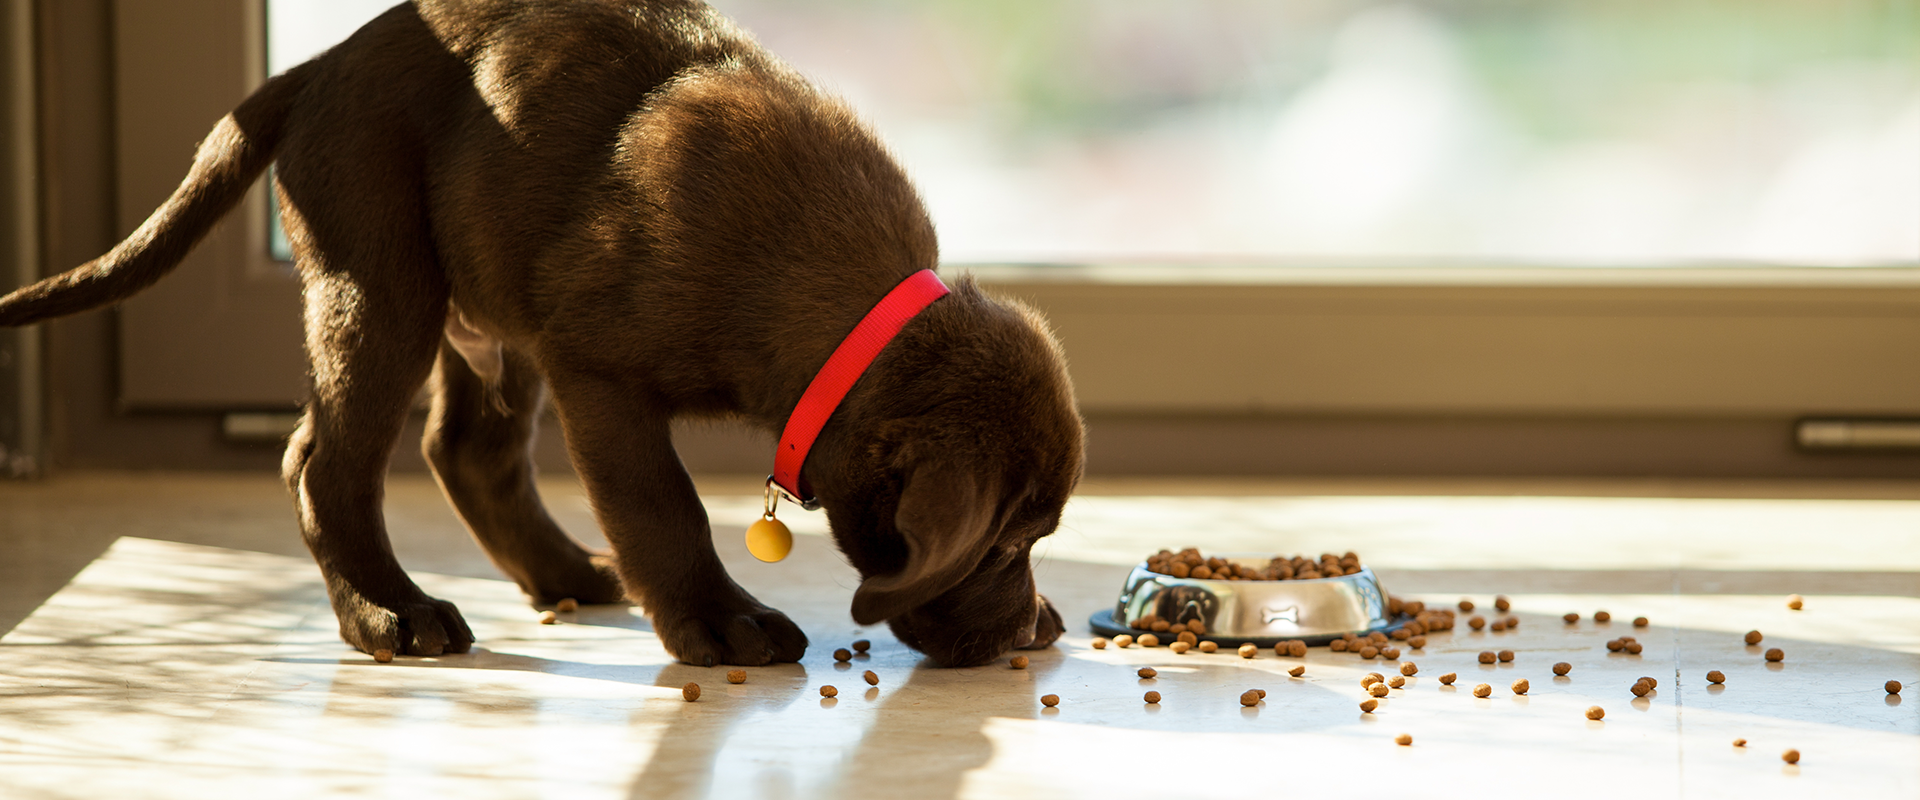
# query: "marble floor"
[166,636]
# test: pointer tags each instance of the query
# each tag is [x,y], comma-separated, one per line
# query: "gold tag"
[769,540]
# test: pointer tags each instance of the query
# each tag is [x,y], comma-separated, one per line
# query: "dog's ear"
[946,515]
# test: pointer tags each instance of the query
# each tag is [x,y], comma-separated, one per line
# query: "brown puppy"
[632,204]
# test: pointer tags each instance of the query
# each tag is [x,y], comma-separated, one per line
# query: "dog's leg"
[652,516]
[479,441]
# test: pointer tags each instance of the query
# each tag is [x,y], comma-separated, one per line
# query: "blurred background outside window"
[1329,132]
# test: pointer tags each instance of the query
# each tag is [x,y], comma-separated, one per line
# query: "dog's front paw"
[743,637]
[423,626]
[591,581]
[1047,626]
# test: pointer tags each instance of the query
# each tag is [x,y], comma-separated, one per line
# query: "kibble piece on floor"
[1148,640]
[861,645]
[1513,622]
[1369,704]
[1050,700]
[740,676]
[1487,657]
[1497,626]
[1147,672]
[1893,687]
[1791,756]
[1187,638]
[1639,622]
[1337,645]
[1602,616]
[1562,668]
[1152,697]
[1483,690]
[1179,647]
[1417,642]
[1776,654]
[1162,626]
[1400,634]
[1249,698]
[1248,650]
[1466,605]
[1716,676]
[1177,628]
[1298,649]
[567,604]
[1378,689]
[549,618]
[1634,648]
[1570,617]
[690,691]
[1595,712]
[1099,643]
[1640,689]
[1208,647]
[843,654]
[1739,743]
[1521,686]
[1299,671]
[1369,652]
[829,691]
[1196,627]
[1371,678]
[1506,656]
[1263,693]
[1795,602]
[1448,679]
[1018,662]
[1502,604]
[1753,637]
[1650,682]
[1404,740]
[1396,682]
[1123,641]
[1390,653]
[383,656]
[1476,622]
[1409,668]
[1615,645]
[872,678]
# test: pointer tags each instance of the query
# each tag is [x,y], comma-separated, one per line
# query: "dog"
[628,208]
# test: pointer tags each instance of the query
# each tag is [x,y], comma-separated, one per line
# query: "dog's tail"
[237,151]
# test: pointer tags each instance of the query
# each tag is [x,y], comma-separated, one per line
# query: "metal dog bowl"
[1262,612]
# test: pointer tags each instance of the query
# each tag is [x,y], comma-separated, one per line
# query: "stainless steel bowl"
[1262,612]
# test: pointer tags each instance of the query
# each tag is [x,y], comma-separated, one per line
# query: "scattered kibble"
[1337,645]
[1404,740]
[1753,637]
[1521,686]
[1148,640]
[1562,668]
[861,645]
[1187,638]
[1297,671]
[1017,662]
[1502,604]
[1893,687]
[1595,712]
[1506,656]
[1794,602]
[1640,689]
[1179,647]
[383,656]
[1513,622]
[1602,616]
[1147,672]
[1739,743]
[872,678]
[1448,679]
[1163,626]
[690,691]
[740,676]
[829,691]
[1487,657]
[1152,698]
[1369,652]
[1099,643]
[1476,622]
[1634,648]
[1409,669]
[1570,617]
[1396,682]
[549,618]
[1370,679]
[1250,698]
[1650,682]
[1616,645]
[1776,654]
[1050,700]
[1378,689]
[1263,693]
[1249,651]
[1716,676]
[1123,641]
[1482,690]
[843,654]
[1465,605]
[567,604]
[1639,622]
[1792,756]
[1368,705]
[1196,627]
[1417,642]
[1390,653]
[1208,647]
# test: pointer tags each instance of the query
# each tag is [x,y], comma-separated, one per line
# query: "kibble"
[1716,676]
[1792,756]
[1368,705]
[690,691]
[1753,637]
[1297,671]
[1893,687]
[1417,642]
[1487,657]
[1196,627]
[1513,622]
[1448,679]
[1147,672]
[1506,656]
[567,604]
[1482,690]
[1370,679]
[1396,682]
[1640,689]
[1249,651]
[1162,626]
[872,678]
[1602,616]
[1261,692]
[1465,605]
[1776,654]
[1390,653]
[383,656]
[1250,698]
[1187,638]
[843,654]
[1595,712]
[1521,686]
[1208,647]
[1650,682]
[1337,645]
[861,645]
[1476,622]
[1496,626]
[1050,700]
[549,618]
[1152,698]
[1404,740]
[1378,689]
[1148,640]
[740,676]
[1570,617]
[1634,648]
[1794,602]
[1562,668]
[829,691]
[1639,622]
[1409,669]
[1123,641]
[1017,662]
[1502,604]
[1739,743]
[1099,643]
[1616,645]
[1369,652]
[1179,647]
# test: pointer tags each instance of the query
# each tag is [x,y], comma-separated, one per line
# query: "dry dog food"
[1050,700]
[1650,682]
[1191,563]
[1570,617]
[1640,688]
[1476,622]
[1794,602]
[1448,679]
[1497,626]
[1337,645]
[1163,626]
[383,656]
[1753,637]
[1396,682]
[740,676]
[1369,652]
[1249,651]
[1417,642]
[1502,604]
[1483,690]
[1299,671]
[1187,638]
[1378,689]
[1465,605]
[1893,687]
[1506,656]
[861,645]
[1776,654]
[1487,657]
[549,618]
[1147,672]
[871,678]
[1739,743]
[829,691]
[1602,616]
[1152,697]
[1404,740]
[1262,692]
[1595,712]
[1616,645]
[1562,668]
[1018,662]
[1207,647]
[690,691]
[1639,622]
[1409,669]
[1634,648]
[1123,641]
[1716,676]
[1369,704]
[1179,647]
[1250,698]
[843,654]
[1099,643]
[1521,686]
[1792,756]
[1390,653]
[1370,679]
[1400,634]
[567,604]
[1148,640]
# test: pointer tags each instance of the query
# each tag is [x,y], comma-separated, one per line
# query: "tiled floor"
[166,636]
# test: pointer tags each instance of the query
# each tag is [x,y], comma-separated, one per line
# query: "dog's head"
[957,453]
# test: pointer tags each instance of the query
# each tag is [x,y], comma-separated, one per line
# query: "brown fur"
[632,204]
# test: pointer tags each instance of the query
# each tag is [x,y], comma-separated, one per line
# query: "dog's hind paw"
[422,627]
[742,638]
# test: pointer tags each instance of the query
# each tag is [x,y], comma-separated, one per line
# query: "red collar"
[848,362]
